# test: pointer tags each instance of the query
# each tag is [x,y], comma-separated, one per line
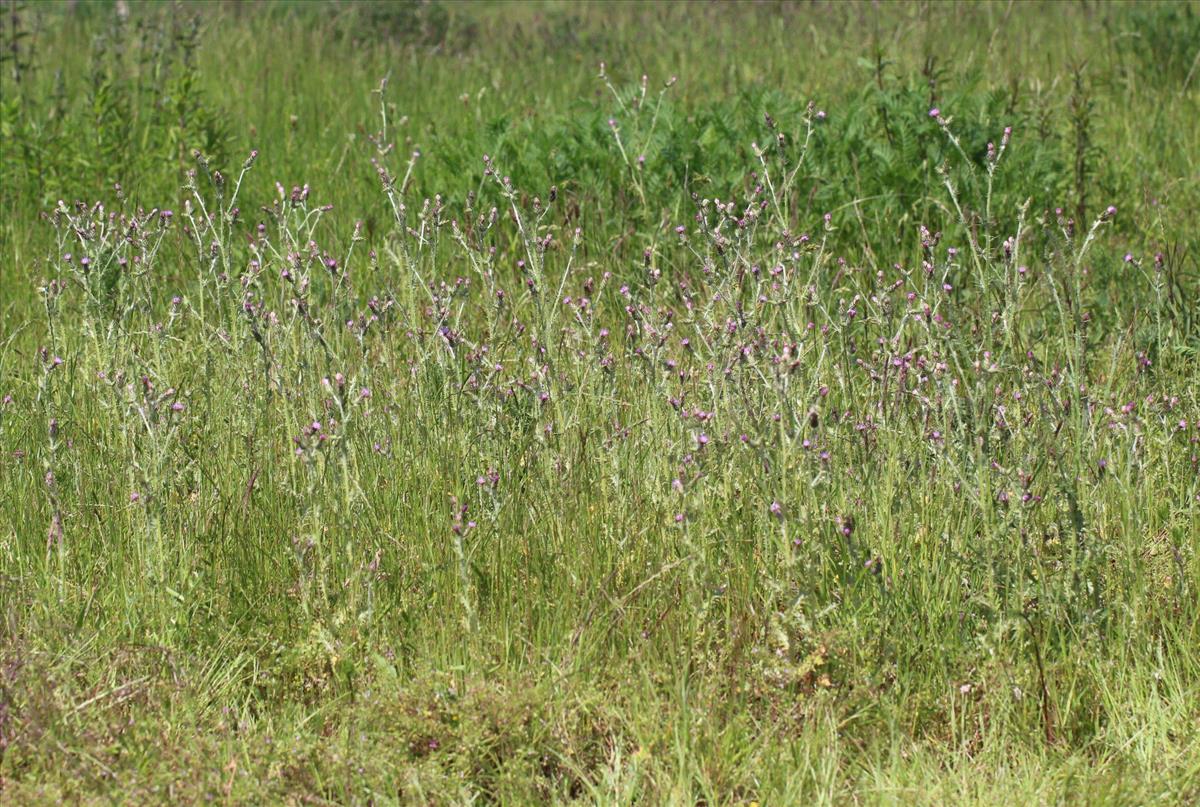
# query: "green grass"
[880,486]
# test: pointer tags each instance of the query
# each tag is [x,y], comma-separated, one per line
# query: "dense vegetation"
[656,403]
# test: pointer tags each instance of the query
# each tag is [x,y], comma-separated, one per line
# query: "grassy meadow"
[604,403]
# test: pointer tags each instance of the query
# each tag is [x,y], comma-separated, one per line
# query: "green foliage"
[135,121]
[1162,40]
[383,428]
